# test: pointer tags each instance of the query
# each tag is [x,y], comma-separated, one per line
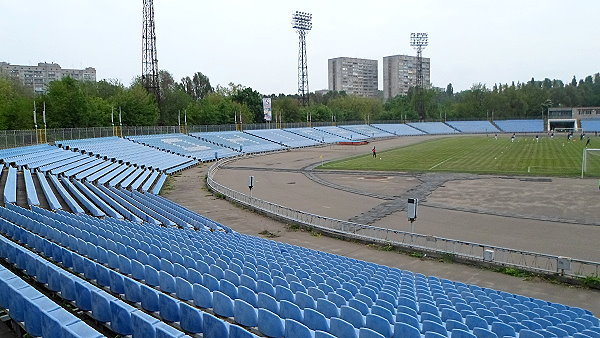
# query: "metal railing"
[475,252]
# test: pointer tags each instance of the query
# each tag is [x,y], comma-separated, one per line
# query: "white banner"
[267,108]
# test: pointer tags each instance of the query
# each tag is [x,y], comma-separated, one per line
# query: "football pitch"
[483,155]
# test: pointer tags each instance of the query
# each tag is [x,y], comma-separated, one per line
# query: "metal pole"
[44,118]
[583,162]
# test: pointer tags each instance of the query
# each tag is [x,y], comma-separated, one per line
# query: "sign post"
[267,109]
[411,211]
[250,184]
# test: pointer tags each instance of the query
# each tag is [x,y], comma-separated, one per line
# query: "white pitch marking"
[444,161]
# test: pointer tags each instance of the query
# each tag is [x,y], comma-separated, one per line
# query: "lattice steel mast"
[419,41]
[149,55]
[302,22]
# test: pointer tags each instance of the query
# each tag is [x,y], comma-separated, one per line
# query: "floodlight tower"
[149,55]
[419,41]
[302,22]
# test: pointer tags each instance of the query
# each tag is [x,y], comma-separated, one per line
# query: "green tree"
[198,86]
[217,109]
[16,105]
[139,108]
[289,109]
[66,104]
[253,100]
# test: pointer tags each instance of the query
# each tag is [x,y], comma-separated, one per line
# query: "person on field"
[537,138]
[374,152]
[587,143]
[512,138]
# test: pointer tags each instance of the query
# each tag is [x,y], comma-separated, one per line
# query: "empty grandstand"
[434,128]
[185,145]
[316,134]
[239,141]
[284,137]
[521,126]
[590,125]
[113,258]
[398,129]
[367,130]
[118,149]
[347,134]
[475,127]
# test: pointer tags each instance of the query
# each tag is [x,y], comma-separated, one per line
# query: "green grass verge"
[482,155]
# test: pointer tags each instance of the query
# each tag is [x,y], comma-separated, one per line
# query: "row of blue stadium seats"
[96,201]
[10,187]
[473,126]
[280,291]
[521,126]
[399,129]
[4,153]
[239,141]
[367,130]
[434,128]
[283,137]
[39,315]
[122,318]
[185,145]
[316,135]
[119,149]
[590,125]
[345,133]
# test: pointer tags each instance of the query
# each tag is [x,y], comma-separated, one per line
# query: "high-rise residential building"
[400,74]
[38,77]
[354,76]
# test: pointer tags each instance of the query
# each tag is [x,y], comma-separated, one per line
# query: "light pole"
[419,41]
[302,22]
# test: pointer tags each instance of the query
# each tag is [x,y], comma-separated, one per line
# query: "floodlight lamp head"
[418,40]
[302,21]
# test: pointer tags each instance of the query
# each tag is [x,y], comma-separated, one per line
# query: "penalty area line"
[444,161]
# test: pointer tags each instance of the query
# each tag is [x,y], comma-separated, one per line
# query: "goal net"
[590,164]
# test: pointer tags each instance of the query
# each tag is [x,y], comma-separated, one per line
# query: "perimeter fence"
[475,252]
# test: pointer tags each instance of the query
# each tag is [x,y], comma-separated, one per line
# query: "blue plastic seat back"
[341,328]
[379,324]
[289,310]
[483,333]
[295,329]
[352,316]
[191,318]
[269,324]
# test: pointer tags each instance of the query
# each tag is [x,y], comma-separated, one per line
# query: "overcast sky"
[252,42]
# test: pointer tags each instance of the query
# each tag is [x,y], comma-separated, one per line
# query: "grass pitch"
[483,155]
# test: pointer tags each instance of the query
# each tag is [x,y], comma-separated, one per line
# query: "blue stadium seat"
[503,330]
[368,333]
[169,308]
[483,333]
[245,314]
[379,324]
[222,304]
[191,318]
[121,321]
[458,333]
[270,324]
[294,329]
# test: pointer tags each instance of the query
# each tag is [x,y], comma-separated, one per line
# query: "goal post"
[589,155]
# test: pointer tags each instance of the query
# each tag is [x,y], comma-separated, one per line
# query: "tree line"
[74,104]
